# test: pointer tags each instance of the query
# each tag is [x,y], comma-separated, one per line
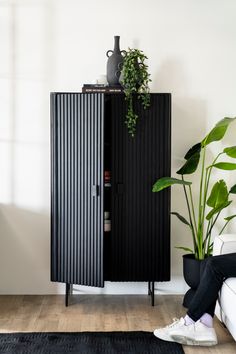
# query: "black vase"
[114,62]
[192,269]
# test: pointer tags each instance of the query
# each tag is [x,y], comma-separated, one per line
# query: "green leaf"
[218,198]
[185,249]
[165,182]
[217,210]
[219,194]
[225,165]
[190,165]
[230,217]
[181,218]
[230,151]
[218,132]
[233,189]
[194,149]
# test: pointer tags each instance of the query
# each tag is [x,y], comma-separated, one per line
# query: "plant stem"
[209,169]
[224,227]
[206,184]
[190,217]
[200,209]
[208,245]
[207,180]
[209,234]
[193,211]
[205,193]
[208,229]
[212,225]
[201,183]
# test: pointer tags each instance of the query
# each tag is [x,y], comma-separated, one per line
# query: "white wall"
[59,45]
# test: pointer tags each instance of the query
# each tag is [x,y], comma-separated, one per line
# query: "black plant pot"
[192,269]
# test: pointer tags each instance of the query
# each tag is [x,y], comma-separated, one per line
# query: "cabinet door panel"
[77,188]
[140,218]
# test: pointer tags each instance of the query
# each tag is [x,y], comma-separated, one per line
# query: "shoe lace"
[174,323]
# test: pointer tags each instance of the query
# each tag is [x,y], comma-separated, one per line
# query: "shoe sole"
[163,337]
[190,341]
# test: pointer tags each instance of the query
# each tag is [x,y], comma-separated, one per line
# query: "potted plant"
[135,78]
[212,200]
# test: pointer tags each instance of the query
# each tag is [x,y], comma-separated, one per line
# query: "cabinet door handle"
[95,190]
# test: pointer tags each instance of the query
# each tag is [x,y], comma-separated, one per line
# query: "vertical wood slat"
[76,170]
[141,219]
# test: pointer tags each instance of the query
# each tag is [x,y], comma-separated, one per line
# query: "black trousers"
[213,273]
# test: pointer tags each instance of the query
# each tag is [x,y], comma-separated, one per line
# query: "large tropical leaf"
[165,182]
[195,148]
[190,165]
[219,194]
[181,218]
[233,189]
[228,218]
[218,198]
[218,132]
[225,165]
[217,210]
[230,151]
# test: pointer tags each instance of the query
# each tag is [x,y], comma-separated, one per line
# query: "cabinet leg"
[149,288]
[153,293]
[67,294]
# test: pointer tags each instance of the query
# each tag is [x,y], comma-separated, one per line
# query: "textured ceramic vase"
[115,58]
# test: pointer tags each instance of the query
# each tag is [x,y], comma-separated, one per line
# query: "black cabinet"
[97,167]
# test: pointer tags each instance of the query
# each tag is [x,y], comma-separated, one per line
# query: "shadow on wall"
[24,252]
[27,67]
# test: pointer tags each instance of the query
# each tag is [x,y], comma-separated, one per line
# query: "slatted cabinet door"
[77,188]
[140,248]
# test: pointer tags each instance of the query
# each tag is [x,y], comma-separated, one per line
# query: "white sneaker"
[194,334]
[165,333]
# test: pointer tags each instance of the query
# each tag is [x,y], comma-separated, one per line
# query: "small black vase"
[116,58]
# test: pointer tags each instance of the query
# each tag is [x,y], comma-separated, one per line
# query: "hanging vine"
[135,79]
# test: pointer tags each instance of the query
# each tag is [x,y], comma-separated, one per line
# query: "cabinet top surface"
[102,93]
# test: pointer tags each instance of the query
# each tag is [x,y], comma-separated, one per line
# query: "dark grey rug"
[87,343]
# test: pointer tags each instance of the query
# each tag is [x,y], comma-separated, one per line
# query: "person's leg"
[206,318]
[216,270]
[202,307]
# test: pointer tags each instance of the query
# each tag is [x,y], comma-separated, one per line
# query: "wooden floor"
[99,313]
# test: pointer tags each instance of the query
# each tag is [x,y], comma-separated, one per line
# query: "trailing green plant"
[135,79]
[210,203]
